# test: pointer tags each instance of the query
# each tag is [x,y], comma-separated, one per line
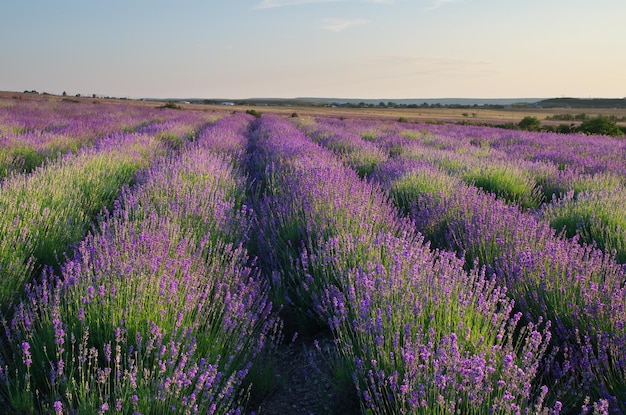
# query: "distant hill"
[313,101]
[429,101]
[582,103]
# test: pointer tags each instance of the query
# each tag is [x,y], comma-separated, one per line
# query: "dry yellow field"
[473,115]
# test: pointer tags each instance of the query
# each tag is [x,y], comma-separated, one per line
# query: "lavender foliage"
[158,311]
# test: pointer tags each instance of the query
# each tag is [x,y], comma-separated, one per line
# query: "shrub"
[254,113]
[530,123]
[156,312]
[171,105]
[53,207]
[420,334]
[565,128]
[600,125]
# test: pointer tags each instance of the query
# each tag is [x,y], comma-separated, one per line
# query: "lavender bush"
[36,131]
[357,153]
[420,334]
[577,287]
[595,216]
[365,282]
[228,135]
[153,314]
[46,211]
[310,196]
[582,153]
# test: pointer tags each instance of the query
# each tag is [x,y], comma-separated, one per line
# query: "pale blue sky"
[315,48]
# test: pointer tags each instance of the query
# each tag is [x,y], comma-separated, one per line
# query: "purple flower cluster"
[82,119]
[577,287]
[156,311]
[53,207]
[38,130]
[174,128]
[228,135]
[362,156]
[394,306]
[161,309]
[579,152]
[310,197]
[421,334]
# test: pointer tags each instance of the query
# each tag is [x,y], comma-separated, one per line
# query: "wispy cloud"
[270,4]
[339,25]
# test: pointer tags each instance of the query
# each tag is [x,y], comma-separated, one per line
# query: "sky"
[315,48]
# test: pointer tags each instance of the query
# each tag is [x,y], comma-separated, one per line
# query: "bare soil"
[305,381]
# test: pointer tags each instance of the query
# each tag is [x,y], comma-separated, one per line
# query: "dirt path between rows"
[305,382]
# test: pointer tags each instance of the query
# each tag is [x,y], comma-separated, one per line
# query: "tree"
[530,123]
[600,125]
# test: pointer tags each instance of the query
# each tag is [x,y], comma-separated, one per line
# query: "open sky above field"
[315,48]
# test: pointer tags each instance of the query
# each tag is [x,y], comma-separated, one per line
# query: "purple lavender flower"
[212,302]
[27,356]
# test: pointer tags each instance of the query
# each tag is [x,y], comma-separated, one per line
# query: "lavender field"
[157,261]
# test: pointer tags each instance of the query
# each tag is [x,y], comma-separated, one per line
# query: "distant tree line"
[391,104]
[580,117]
[601,124]
[583,103]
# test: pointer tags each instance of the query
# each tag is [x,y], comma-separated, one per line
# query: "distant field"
[455,115]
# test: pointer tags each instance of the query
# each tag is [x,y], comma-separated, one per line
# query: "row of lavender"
[577,287]
[159,310]
[575,181]
[581,176]
[577,152]
[34,131]
[44,211]
[417,332]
